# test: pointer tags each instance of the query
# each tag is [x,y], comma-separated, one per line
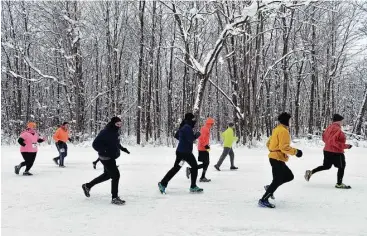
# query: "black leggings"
[204,158]
[330,159]
[181,157]
[29,158]
[281,174]
[110,172]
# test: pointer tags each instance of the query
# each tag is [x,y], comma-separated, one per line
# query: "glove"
[176,135]
[70,139]
[40,140]
[197,134]
[125,150]
[207,147]
[299,153]
[21,142]
[349,146]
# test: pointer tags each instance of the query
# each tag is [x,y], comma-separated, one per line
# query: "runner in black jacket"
[107,144]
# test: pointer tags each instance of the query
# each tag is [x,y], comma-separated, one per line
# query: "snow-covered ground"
[52,202]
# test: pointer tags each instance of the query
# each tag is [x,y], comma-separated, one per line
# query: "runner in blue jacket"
[186,138]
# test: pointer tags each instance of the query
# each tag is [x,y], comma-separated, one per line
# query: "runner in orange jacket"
[61,136]
[203,148]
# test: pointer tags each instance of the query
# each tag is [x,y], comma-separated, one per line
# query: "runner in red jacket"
[203,148]
[335,143]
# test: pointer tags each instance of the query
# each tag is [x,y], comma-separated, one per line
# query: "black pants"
[281,174]
[336,159]
[63,152]
[96,161]
[29,158]
[110,172]
[181,157]
[204,158]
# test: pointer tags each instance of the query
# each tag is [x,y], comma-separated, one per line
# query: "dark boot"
[118,201]
[204,179]
[86,190]
[188,172]
[17,169]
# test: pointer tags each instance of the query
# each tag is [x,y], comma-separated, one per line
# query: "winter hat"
[115,119]
[337,117]
[31,125]
[230,124]
[189,116]
[284,118]
[65,123]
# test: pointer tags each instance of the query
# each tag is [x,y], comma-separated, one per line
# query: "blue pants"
[63,152]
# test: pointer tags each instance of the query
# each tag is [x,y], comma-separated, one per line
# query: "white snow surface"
[51,202]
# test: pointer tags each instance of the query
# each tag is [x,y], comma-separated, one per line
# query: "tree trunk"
[158,82]
[200,94]
[140,69]
[313,72]
[357,129]
[297,100]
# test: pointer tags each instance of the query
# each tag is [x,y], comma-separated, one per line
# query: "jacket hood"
[191,123]
[209,122]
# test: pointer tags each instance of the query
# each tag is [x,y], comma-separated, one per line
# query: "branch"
[193,17]
[132,105]
[17,76]
[270,68]
[98,95]
[211,57]
[30,64]
[195,69]
[26,59]
[238,110]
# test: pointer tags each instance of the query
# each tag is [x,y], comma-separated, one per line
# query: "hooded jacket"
[186,137]
[107,142]
[205,134]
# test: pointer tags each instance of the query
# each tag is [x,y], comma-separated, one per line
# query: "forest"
[150,62]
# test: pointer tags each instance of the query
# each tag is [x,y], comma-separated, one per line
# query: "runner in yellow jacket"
[229,137]
[279,149]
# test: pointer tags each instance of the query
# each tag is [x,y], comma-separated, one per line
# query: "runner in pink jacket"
[28,140]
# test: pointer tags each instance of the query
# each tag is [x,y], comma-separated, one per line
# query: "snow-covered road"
[52,202]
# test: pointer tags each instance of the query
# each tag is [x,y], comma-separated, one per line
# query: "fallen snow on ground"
[52,202]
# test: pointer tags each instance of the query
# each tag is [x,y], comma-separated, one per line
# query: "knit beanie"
[337,117]
[115,119]
[284,118]
[189,116]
